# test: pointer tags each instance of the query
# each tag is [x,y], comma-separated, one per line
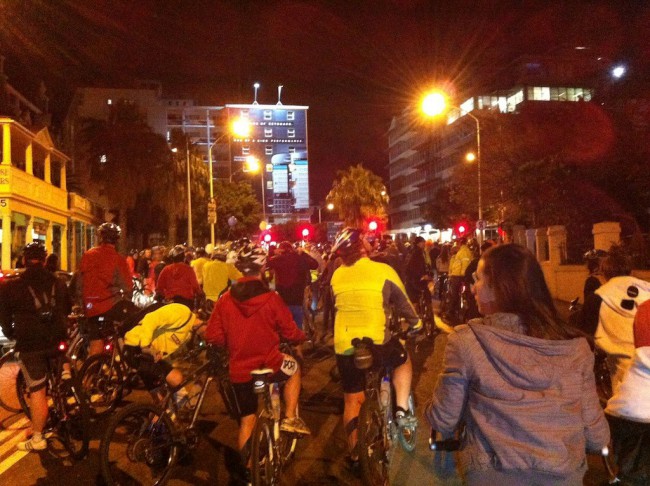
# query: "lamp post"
[253,166]
[189,190]
[329,207]
[435,104]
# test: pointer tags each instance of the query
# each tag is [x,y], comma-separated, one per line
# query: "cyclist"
[37,305]
[218,274]
[418,270]
[177,281]
[199,262]
[364,292]
[249,319]
[105,285]
[148,345]
[457,266]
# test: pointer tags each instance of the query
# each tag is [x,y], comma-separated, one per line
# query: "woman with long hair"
[519,381]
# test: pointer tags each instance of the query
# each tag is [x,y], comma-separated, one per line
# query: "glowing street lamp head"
[252,164]
[241,127]
[434,104]
[470,157]
[330,206]
[618,71]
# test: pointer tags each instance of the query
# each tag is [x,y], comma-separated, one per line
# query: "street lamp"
[254,165]
[189,190]
[329,207]
[435,104]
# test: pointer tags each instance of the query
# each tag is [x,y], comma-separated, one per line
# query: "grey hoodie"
[528,404]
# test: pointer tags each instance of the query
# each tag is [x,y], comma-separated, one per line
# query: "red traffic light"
[305,232]
[267,237]
[461,229]
[372,225]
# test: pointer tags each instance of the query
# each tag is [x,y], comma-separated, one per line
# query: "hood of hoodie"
[249,295]
[525,362]
[624,294]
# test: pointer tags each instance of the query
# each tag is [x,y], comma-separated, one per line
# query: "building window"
[268,132]
[291,132]
[268,150]
[245,150]
[103,159]
[109,101]
[291,115]
[292,150]
[268,114]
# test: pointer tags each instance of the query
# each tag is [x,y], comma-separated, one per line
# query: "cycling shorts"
[245,394]
[34,365]
[391,355]
[152,373]
[101,326]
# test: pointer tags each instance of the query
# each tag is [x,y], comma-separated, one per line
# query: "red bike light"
[62,346]
[108,346]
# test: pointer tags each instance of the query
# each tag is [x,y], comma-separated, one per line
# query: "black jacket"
[19,318]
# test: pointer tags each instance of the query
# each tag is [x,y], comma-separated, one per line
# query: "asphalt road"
[319,459]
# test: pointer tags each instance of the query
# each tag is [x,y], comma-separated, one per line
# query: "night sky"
[356,63]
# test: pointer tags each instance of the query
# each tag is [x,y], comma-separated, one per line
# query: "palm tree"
[358,194]
[120,155]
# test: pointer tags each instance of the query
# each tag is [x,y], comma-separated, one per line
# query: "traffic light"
[461,229]
[372,225]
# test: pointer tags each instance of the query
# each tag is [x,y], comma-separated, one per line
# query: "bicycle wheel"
[102,383]
[265,470]
[373,444]
[287,444]
[138,446]
[22,392]
[427,317]
[9,368]
[407,434]
[73,427]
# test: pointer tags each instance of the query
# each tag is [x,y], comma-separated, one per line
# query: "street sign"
[480,224]
[212,212]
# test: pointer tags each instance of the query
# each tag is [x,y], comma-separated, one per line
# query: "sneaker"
[405,419]
[295,425]
[32,445]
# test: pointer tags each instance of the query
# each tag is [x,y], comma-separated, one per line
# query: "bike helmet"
[595,254]
[109,233]
[346,239]
[177,254]
[251,258]
[34,252]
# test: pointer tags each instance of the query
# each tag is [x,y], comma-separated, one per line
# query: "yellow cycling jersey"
[216,275]
[164,329]
[363,295]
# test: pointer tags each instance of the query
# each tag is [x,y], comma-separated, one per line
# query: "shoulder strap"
[182,325]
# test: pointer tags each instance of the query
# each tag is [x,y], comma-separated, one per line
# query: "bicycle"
[9,368]
[425,313]
[271,448]
[144,441]
[68,416]
[378,429]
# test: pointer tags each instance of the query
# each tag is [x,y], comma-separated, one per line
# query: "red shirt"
[178,280]
[104,279]
[249,320]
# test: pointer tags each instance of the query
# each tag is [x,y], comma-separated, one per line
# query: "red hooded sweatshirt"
[250,320]
[178,280]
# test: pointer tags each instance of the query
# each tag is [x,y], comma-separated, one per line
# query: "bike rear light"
[62,346]
[108,346]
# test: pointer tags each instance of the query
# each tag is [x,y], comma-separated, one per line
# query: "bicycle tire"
[102,383]
[372,444]
[74,428]
[22,392]
[264,469]
[149,455]
[9,368]
[407,435]
[288,442]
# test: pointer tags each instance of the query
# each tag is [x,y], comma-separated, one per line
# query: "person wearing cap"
[33,310]
[105,285]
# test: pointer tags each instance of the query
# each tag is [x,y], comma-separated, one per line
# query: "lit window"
[268,132]
[291,133]
[103,159]
[109,101]
[291,115]
[292,150]
[542,94]
[268,115]
[268,150]
[245,150]
[467,106]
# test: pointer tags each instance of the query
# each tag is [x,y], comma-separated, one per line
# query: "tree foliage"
[358,194]
[236,199]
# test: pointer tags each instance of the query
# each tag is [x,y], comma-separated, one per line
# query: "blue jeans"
[297,313]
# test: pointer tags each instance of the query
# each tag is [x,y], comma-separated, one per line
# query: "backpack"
[44,306]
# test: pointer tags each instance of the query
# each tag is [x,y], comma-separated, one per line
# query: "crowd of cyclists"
[516,360]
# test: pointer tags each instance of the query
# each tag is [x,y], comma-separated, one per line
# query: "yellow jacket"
[164,329]
[216,275]
[460,261]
